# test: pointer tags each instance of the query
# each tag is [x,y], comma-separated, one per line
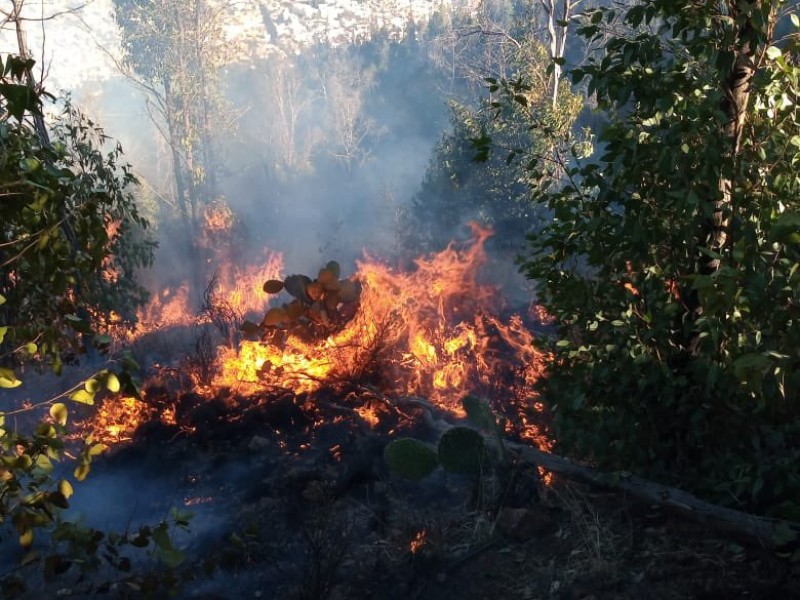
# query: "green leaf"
[58,499]
[773,52]
[77,324]
[81,471]
[334,268]
[273,286]
[19,99]
[129,385]
[3,331]
[112,383]
[82,396]
[59,413]
[172,557]
[274,316]
[97,449]
[128,362]
[65,487]
[296,286]
[26,538]
[2,299]
[44,463]
[785,227]
[161,537]
[8,379]
[102,340]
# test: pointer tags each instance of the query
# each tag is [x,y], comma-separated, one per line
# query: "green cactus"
[463,450]
[481,414]
[460,450]
[410,458]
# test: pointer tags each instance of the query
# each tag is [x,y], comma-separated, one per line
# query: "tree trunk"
[736,97]
[181,188]
[557,33]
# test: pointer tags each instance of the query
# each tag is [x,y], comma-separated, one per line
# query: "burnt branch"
[227,320]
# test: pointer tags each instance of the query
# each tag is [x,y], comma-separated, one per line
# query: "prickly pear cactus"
[463,450]
[479,412]
[410,458]
[315,301]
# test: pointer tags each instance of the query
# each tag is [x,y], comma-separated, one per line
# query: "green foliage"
[71,238]
[175,49]
[29,498]
[671,261]
[76,550]
[495,191]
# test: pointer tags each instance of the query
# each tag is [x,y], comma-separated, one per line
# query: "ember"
[418,542]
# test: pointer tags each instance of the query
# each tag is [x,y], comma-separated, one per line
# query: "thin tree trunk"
[557,33]
[736,97]
[181,188]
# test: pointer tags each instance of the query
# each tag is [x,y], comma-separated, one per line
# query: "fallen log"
[773,533]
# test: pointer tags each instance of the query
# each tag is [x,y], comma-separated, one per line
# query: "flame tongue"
[434,331]
[431,332]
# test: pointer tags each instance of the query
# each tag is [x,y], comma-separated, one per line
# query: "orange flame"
[434,331]
[116,419]
[418,542]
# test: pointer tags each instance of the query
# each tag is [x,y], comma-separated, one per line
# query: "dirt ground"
[320,516]
[293,500]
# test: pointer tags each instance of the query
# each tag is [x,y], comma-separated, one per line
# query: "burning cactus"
[316,301]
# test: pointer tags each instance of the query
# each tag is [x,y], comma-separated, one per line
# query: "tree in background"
[345,84]
[496,192]
[174,50]
[671,263]
[558,14]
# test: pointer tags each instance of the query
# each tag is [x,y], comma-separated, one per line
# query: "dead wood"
[767,531]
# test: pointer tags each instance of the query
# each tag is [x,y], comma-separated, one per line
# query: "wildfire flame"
[418,542]
[116,420]
[434,331]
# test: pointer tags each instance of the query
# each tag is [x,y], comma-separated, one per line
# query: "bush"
[671,263]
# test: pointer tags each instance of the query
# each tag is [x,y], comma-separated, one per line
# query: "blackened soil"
[292,500]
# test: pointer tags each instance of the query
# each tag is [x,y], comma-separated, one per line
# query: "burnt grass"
[304,507]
